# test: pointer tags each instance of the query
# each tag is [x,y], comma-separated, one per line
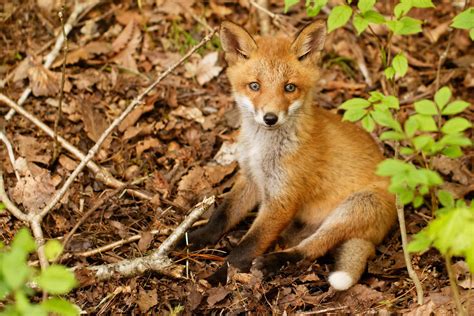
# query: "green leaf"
[464,20]
[455,107]
[355,103]
[406,197]
[405,26]
[24,241]
[402,8]
[359,23]
[421,141]
[400,64]
[365,5]
[375,96]
[456,139]
[385,118]
[390,167]
[53,249]
[2,206]
[446,198]
[418,201]
[391,102]
[353,115]
[374,17]
[421,242]
[452,152]
[368,123]
[426,123]
[422,4]
[56,279]
[389,72]
[411,126]
[14,268]
[471,34]
[315,8]
[406,151]
[426,107]
[60,306]
[338,17]
[455,125]
[289,4]
[392,135]
[442,97]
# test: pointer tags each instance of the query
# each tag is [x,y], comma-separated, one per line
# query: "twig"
[56,148]
[101,174]
[277,19]
[11,155]
[454,286]
[118,243]
[263,18]
[79,7]
[98,204]
[324,311]
[12,208]
[442,59]
[411,272]
[158,260]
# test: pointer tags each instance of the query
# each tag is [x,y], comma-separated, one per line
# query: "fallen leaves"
[205,69]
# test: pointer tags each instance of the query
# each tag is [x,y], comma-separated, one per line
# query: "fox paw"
[270,264]
[218,277]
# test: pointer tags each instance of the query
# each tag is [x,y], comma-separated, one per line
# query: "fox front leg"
[238,202]
[272,218]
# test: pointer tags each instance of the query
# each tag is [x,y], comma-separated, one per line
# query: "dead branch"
[277,19]
[119,243]
[56,148]
[11,155]
[264,19]
[72,20]
[157,261]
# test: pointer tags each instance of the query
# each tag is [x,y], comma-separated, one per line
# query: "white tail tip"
[340,280]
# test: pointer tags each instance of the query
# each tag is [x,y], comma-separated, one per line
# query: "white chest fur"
[261,152]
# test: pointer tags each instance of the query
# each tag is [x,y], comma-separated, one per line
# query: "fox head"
[272,77]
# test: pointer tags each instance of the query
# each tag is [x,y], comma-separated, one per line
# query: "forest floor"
[178,147]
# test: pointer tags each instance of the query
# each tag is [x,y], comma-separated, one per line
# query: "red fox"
[311,175]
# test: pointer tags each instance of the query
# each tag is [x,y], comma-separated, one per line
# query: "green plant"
[17,279]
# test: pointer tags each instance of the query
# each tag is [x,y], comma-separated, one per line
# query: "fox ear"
[236,41]
[309,41]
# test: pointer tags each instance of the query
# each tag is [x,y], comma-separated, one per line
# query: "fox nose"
[270,118]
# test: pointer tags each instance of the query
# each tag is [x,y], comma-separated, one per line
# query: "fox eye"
[290,87]
[255,86]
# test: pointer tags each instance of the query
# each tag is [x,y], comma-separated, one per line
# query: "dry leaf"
[216,295]
[189,113]
[220,10]
[145,241]
[205,70]
[35,189]
[133,117]
[126,45]
[146,144]
[21,71]
[85,53]
[227,153]
[43,82]
[31,149]
[94,123]
[146,300]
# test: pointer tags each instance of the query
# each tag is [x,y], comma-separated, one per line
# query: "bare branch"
[277,19]
[14,210]
[158,261]
[11,155]
[72,20]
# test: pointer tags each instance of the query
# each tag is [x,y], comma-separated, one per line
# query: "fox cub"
[311,175]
